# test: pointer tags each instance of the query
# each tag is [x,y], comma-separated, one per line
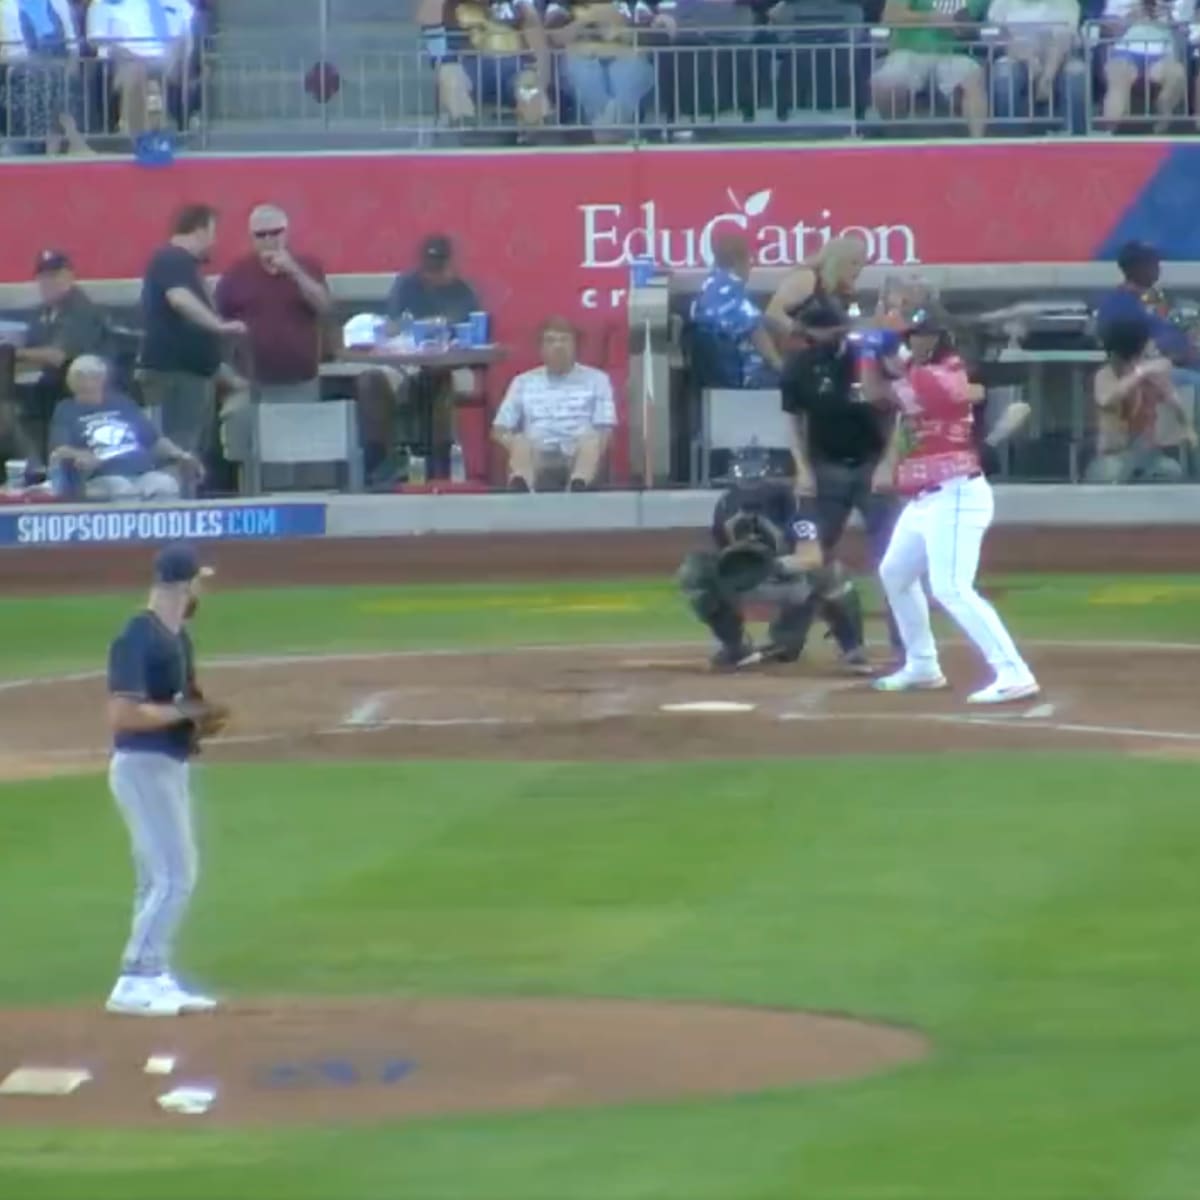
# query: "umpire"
[844,449]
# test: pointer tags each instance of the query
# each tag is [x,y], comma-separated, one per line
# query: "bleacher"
[356,73]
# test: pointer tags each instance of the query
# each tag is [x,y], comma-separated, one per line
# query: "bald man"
[283,299]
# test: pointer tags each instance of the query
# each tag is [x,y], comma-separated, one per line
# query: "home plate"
[709,706]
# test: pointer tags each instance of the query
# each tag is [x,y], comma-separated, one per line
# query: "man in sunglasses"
[283,299]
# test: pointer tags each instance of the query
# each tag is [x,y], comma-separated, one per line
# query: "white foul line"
[1000,722]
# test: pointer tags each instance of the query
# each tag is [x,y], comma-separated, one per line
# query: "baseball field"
[494,920]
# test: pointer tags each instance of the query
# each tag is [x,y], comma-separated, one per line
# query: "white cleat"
[907,680]
[154,996]
[189,1002]
[1006,692]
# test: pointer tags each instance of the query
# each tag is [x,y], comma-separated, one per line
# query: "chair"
[735,417]
[288,434]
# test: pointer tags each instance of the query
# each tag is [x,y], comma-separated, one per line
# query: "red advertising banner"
[544,232]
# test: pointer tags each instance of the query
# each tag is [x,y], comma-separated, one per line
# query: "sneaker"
[145,996]
[1006,691]
[189,1001]
[857,663]
[734,657]
[518,483]
[907,679]
[777,652]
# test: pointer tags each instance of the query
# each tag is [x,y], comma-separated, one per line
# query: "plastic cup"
[479,328]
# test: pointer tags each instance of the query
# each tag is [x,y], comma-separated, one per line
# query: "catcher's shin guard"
[841,610]
[789,630]
[698,582]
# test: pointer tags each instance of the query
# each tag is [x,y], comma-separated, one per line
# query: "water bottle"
[405,330]
[458,464]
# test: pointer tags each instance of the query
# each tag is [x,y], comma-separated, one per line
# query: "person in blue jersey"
[744,352]
[158,718]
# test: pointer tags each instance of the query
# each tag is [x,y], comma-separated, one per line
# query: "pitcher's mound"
[353,1060]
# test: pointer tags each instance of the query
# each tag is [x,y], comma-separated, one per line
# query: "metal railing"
[799,81]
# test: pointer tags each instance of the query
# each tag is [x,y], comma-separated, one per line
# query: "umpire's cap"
[179,562]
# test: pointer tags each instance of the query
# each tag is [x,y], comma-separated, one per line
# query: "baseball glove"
[744,566]
[205,718]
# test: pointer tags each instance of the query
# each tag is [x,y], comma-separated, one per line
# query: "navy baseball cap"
[51,260]
[179,562]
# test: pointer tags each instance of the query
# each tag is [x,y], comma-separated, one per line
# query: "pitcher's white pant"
[940,535]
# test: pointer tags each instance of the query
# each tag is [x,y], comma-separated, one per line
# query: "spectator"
[148,44]
[557,419]
[924,55]
[609,74]
[282,299]
[110,445]
[434,289]
[1130,390]
[743,351]
[481,50]
[181,350]
[68,324]
[1141,266]
[1143,50]
[827,282]
[39,57]
[1035,71]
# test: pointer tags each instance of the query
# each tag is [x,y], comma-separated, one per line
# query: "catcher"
[768,553]
[159,719]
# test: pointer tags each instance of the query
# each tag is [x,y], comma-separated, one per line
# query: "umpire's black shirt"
[818,383]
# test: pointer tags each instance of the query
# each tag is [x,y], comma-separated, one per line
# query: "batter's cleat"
[909,680]
[735,657]
[1006,691]
[857,663]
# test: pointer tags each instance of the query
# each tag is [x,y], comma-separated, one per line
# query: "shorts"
[1148,59]
[493,77]
[918,71]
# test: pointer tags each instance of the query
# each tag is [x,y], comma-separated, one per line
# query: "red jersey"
[937,413]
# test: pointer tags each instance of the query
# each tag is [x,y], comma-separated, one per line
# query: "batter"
[940,532]
[157,716]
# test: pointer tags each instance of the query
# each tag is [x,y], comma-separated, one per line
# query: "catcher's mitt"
[744,566]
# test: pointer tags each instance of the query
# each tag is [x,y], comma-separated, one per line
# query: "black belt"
[937,487]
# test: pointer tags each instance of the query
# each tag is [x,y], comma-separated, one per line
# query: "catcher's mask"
[750,464]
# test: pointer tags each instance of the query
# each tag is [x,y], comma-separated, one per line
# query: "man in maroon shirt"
[283,299]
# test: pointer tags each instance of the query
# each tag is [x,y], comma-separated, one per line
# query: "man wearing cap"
[435,289]
[68,324]
[282,299]
[153,710]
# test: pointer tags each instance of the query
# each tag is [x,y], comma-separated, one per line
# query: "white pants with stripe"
[939,536]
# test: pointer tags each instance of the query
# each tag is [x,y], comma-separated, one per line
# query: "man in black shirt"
[434,289]
[844,448]
[181,350]
[67,325]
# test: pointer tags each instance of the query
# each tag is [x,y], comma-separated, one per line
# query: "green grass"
[1038,919]
[1036,915]
[48,634]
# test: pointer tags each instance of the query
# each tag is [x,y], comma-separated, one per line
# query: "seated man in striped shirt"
[556,420]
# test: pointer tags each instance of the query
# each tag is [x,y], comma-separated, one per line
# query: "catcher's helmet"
[750,464]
